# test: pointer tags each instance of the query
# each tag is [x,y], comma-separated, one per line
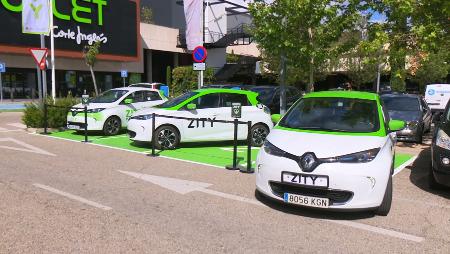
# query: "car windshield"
[397,103]
[109,96]
[177,100]
[333,114]
[265,93]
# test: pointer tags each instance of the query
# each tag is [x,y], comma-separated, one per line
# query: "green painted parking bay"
[212,153]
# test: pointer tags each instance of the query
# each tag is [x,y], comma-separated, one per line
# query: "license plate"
[305,180]
[306,201]
[73,127]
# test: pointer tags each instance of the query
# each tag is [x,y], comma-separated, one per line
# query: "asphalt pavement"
[59,196]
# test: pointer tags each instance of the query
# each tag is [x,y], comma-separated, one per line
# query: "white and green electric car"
[110,111]
[332,150]
[201,107]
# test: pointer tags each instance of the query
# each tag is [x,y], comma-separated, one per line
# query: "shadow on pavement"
[419,174]
[312,212]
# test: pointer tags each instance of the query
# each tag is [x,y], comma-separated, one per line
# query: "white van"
[437,96]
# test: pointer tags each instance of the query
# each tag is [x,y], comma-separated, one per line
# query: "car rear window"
[333,114]
[394,103]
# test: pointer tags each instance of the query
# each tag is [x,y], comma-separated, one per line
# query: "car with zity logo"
[110,111]
[201,107]
[332,150]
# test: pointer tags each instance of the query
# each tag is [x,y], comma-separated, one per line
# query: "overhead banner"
[193,11]
[35,16]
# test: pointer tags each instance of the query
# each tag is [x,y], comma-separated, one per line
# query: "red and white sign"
[39,55]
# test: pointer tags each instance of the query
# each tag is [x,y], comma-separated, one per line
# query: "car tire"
[419,136]
[385,207]
[432,183]
[167,138]
[112,126]
[259,133]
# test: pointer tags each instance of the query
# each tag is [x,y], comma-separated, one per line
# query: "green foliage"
[184,79]
[34,112]
[306,32]
[90,53]
[135,78]
[232,58]
[433,69]
[146,15]
[168,76]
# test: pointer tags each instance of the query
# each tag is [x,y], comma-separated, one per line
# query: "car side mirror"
[128,101]
[276,118]
[191,106]
[396,125]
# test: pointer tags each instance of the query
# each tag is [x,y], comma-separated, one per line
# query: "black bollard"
[153,154]
[85,125]
[234,166]
[249,150]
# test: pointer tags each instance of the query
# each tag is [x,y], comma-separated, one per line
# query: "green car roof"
[344,94]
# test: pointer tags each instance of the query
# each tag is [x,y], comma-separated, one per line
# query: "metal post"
[123,82]
[44,72]
[1,88]
[283,85]
[153,154]
[249,150]
[39,78]
[234,166]
[378,78]
[85,125]
[52,49]
[45,117]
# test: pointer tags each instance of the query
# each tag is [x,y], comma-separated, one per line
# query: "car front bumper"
[407,135]
[440,170]
[140,130]
[94,123]
[352,186]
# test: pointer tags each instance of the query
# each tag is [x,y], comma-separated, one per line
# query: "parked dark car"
[413,110]
[229,86]
[439,174]
[270,96]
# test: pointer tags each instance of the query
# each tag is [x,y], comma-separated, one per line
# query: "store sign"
[79,23]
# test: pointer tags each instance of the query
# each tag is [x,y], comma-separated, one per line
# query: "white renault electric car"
[332,150]
[110,111]
[201,107]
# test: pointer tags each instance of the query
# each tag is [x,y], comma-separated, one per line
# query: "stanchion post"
[153,154]
[85,125]
[234,166]
[45,118]
[249,150]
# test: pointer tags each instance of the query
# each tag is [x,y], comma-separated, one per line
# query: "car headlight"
[273,150]
[443,140]
[266,110]
[412,125]
[142,117]
[359,157]
[95,110]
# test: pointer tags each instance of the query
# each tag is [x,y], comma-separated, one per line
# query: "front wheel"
[112,126]
[167,138]
[385,206]
[259,133]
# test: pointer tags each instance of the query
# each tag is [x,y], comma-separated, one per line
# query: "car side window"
[139,96]
[207,101]
[130,96]
[151,96]
[229,98]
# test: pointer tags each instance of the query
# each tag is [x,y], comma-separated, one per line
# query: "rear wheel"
[112,126]
[167,138]
[259,133]
[385,206]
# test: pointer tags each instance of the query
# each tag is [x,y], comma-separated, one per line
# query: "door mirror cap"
[396,125]
[276,118]
[191,106]
[128,101]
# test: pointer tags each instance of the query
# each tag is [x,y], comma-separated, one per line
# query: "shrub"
[56,117]
[184,79]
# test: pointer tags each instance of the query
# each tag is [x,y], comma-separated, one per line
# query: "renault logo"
[308,162]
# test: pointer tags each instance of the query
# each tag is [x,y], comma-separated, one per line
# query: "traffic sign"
[85,99]
[236,110]
[199,66]
[39,55]
[2,67]
[199,54]
[124,73]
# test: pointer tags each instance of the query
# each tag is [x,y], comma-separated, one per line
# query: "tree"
[146,15]
[304,31]
[90,53]
[432,68]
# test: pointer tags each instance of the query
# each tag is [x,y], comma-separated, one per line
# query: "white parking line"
[18,125]
[404,165]
[3,129]
[74,197]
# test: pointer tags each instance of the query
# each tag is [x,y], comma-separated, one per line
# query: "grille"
[335,196]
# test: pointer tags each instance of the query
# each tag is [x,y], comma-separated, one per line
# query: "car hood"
[95,105]
[323,145]
[405,115]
